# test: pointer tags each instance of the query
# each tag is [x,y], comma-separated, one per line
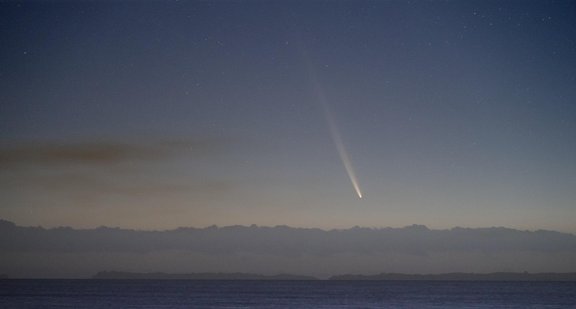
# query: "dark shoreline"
[199,276]
[497,276]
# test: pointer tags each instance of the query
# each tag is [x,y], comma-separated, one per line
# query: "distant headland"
[497,276]
[197,276]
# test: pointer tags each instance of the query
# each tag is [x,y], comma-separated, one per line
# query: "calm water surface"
[283,294]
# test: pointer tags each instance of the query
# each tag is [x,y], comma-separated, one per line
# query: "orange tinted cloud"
[100,152]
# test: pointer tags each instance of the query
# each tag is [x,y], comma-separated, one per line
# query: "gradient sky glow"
[162,114]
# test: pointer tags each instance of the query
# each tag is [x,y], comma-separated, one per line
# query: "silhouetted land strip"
[498,276]
[197,276]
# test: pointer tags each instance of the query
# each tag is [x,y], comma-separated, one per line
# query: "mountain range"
[69,252]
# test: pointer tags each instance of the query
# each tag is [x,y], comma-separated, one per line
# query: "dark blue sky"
[160,114]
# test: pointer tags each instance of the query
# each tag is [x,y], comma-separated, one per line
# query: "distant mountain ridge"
[282,240]
[36,252]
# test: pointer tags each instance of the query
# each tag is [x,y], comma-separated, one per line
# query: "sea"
[27,293]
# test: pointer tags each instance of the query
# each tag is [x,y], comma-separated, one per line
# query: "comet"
[337,138]
[331,121]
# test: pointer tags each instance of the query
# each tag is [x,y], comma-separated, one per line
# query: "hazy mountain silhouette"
[64,251]
[415,239]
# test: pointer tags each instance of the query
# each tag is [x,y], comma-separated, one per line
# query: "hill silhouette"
[197,276]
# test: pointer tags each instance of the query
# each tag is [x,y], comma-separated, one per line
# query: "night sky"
[154,115]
